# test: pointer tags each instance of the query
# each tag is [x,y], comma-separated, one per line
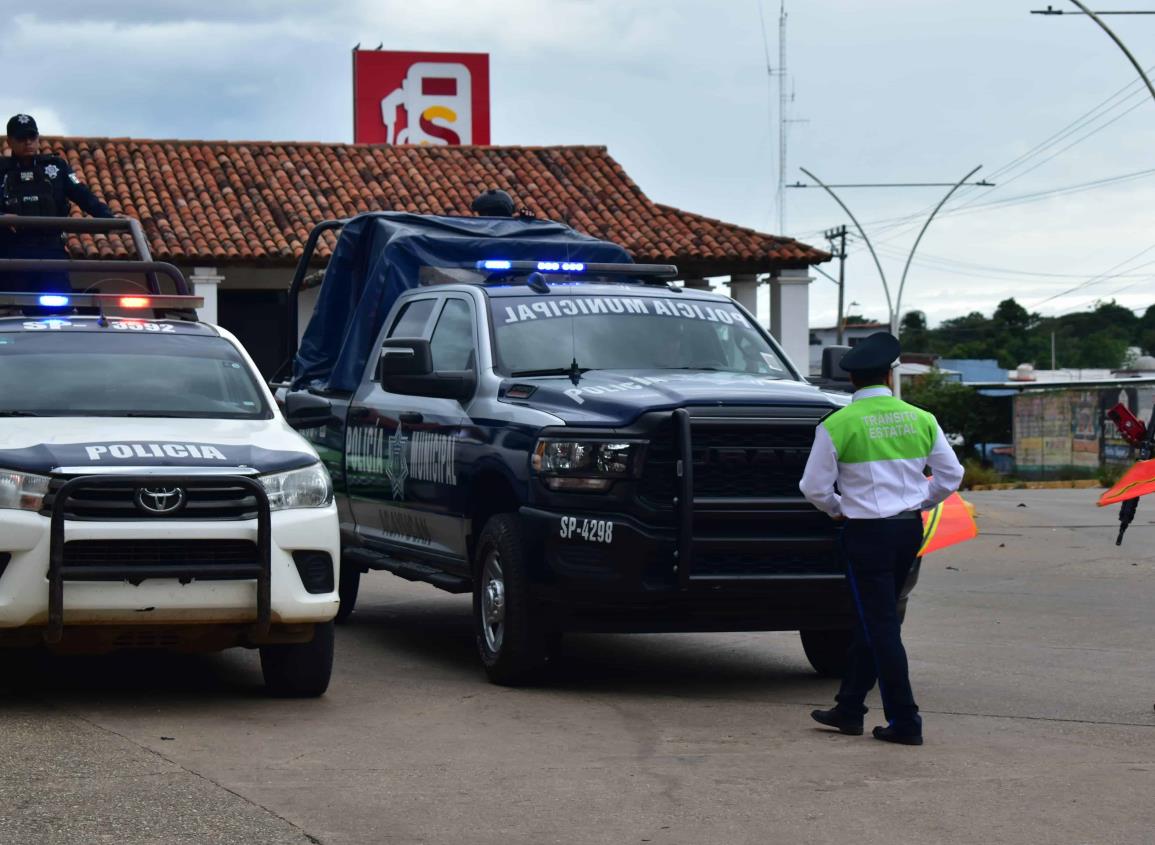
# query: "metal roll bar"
[92,226]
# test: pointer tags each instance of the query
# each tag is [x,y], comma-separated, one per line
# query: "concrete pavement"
[1032,653]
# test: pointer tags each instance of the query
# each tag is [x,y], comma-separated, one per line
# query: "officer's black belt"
[905,515]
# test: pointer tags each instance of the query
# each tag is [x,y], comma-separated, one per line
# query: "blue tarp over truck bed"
[380,255]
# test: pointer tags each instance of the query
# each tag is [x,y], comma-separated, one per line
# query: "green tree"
[961,410]
[912,331]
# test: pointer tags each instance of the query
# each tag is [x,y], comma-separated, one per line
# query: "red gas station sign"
[420,98]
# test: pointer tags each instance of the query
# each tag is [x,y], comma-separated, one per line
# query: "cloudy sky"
[890,90]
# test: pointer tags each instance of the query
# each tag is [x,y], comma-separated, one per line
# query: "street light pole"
[1138,67]
[909,258]
[892,306]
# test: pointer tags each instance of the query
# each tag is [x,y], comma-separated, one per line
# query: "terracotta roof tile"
[255,202]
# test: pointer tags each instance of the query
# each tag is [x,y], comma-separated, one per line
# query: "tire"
[827,651]
[347,588]
[300,670]
[510,639]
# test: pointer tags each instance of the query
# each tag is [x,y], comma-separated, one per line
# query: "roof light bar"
[110,301]
[654,271]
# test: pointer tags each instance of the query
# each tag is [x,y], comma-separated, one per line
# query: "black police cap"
[493,203]
[876,352]
[22,126]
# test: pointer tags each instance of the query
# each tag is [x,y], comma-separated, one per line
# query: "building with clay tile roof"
[235,215]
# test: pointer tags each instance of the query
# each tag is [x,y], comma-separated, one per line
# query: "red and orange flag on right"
[1137,481]
[946,524]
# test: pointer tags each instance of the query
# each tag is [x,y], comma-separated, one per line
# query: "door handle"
[359,413]
[411,418]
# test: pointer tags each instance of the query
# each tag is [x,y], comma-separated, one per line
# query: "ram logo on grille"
[160,500]
[738,457]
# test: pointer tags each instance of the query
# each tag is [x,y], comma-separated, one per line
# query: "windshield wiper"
[552,371]
[573,371]
[18,414]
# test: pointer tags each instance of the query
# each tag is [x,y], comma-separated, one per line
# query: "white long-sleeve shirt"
[876,450]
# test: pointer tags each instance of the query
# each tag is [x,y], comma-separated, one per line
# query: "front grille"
[747,461]
[224,502]
[769,562]
[129,559]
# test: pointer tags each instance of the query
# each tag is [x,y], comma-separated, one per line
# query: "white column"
[744,291]
[790,314]
[205,281]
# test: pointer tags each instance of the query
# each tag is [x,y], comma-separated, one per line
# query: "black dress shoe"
[839,719]
[889,734]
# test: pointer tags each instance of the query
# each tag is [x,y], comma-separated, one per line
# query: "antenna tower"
[782,120]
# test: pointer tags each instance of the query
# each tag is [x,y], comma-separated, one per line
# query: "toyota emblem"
[160,500]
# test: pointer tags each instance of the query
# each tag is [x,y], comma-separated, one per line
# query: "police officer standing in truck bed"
[34,185]
[876,450]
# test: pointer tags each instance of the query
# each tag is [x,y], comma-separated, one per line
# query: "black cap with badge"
[874,353]
[22,126]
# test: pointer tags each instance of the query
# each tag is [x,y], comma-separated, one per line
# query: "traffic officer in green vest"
[867,470]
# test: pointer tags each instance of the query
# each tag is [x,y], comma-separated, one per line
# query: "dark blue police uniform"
[38,186]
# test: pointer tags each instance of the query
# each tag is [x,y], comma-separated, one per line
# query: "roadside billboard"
[420,98]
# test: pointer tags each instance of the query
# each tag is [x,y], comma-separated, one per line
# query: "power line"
[1093,114]
[1099,278]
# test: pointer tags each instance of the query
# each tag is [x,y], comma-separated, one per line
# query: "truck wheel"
[347,588]
[510,639]
[300,670]
[827,651]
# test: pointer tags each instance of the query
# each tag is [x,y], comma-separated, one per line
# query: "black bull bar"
[58,573]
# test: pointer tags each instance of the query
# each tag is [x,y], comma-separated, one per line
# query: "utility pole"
[839,233]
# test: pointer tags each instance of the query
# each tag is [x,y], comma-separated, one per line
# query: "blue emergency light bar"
[113,301]
[644,271]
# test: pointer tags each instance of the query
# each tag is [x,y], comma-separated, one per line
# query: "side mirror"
[402,356]
[406,367]
[832,363]
[307,410]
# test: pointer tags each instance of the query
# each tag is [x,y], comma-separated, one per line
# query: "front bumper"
[633,582]
[26,538]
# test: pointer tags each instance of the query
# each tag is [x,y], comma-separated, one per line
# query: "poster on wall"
[1056,430]
[437,99]
[1086,428]
[1028,432]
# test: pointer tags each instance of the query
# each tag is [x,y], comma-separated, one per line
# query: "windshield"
[549,331]
[103,374]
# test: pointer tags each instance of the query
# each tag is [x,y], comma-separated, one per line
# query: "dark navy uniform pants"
[879,554]
[34,282]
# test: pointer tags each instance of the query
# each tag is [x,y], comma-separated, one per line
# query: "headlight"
[299,488]
[590,465]
[22,490]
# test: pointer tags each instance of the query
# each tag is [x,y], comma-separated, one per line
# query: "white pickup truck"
[151,493]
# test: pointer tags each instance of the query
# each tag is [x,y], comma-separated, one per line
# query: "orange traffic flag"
[948,524]
[1137,481]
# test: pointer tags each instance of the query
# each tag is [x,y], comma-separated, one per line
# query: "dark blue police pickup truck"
[515,410]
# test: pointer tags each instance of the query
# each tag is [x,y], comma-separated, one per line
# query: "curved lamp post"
[893,306]
[1119,43]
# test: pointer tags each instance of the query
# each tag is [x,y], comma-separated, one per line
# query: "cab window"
[412,319]
[452,342]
